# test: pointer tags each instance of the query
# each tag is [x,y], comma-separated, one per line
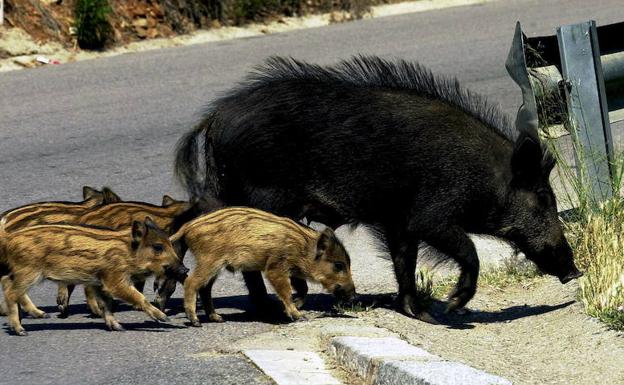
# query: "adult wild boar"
[388,144]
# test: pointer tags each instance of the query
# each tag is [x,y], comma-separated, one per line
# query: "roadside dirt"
[533,333]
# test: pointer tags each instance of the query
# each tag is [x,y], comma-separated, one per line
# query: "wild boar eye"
[339,266]
[158,248]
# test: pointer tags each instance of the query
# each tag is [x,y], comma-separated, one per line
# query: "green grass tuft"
[93,29]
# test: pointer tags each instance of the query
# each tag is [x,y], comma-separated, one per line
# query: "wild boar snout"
[344,293]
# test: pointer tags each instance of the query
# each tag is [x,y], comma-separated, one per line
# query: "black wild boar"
[388,144]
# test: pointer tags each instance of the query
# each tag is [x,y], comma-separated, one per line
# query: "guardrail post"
[588,116]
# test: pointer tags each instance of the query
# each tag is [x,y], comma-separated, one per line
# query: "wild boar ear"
[324,242]
[149,223]
[138,232]
[89,192]
[526,161]
[110,196]
[167,201]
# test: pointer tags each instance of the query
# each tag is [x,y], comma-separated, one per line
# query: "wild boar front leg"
[105,302]
[404,253]
[120,288]
[93,302]
[281,283]
[62,298]
[139,283]
[455,243]
[28,306]
[301,287]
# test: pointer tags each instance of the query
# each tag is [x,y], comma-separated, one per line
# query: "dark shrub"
[92,26]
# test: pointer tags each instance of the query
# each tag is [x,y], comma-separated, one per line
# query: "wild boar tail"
[178,235]
[3,257]
[189,167]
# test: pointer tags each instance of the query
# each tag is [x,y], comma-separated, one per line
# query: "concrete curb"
[390,360]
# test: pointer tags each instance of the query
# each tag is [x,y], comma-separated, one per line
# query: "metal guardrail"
[574,78]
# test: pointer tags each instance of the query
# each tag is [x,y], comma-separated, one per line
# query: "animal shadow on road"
[146,326]
[458,320]
[271,312]
[466,321]
[86,321]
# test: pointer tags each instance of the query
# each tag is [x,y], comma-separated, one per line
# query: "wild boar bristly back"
[201,175]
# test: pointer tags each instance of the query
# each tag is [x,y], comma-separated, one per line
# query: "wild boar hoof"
[63,312]
[426,317]
[455,303]
[408,305]
[299,301]
[296,316]
[115,327]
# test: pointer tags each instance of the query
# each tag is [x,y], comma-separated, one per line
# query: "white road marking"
[291,367]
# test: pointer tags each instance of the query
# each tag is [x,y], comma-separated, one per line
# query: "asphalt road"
[115,121]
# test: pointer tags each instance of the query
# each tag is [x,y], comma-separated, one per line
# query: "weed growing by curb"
[595,231]
[93,29]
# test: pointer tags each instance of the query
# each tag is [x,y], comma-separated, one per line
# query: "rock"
[141,32]
[16,42]
[141,22]
[26,62]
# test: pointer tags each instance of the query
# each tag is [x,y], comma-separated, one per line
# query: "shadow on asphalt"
[147,326]
[272,312]
[455,320]
[466,321]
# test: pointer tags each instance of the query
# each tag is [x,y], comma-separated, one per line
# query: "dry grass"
[598,242]
[596,234]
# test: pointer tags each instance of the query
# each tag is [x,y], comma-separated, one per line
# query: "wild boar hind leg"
[15,289]
[455,243]
[201,278]
[205,293]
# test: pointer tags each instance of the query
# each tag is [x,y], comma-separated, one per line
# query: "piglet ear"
[167,201]
[138,232]
[149,223]
[110,196]
[324,242]
[526,161]
[89,192]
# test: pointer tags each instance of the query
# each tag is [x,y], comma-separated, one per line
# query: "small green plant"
[93,29]
[513,270]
